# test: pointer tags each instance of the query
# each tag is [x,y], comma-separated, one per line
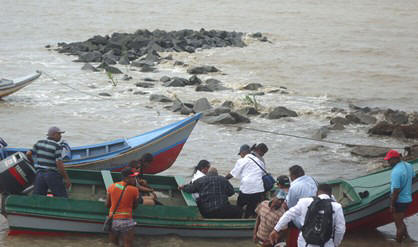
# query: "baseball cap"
[127,172]
[53,130]
[244,148]
[283,180]
[392,154]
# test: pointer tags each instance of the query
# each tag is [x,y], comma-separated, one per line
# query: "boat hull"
[19,84]
[165,144]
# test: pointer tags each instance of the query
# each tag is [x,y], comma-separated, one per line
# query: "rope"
[73,88]
[313,139]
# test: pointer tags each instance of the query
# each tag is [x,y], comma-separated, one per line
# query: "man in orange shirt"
[123,225]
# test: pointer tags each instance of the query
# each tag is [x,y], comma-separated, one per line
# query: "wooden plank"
[107,178]
[188,198]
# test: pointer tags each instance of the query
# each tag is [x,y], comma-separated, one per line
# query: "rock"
[149,79]
[124,60]
[203,88]
[112,70]
[48,46]
[248,110]
[144,84]
[224,118]
[176,106]
[216,111]
[178,63]
[360,118]
[313,148]
[126,77]
[194,80]
[140,93]
[382,128]
[201,105]
[228,104]
[370,152]
[160,98]
[396,117]
[257,94]
[252,86]
[215,85]
[337,110]
[280,112]
[256,35]
[176,82]
[336,126]
[89,67]
[202,69]
[105,94]
[147,68]
[410,131]
[239,118]
[398,132]
[321,133]
[413,118]
[165,79]
[186,110]
[339,121]
[90,57]
[110,57]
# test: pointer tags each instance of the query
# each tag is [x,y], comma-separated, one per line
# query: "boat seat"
[107,178]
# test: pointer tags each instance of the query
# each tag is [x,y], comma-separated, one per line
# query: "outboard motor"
[3,145]
[16,173]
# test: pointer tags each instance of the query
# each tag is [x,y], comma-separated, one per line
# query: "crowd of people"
[301,209]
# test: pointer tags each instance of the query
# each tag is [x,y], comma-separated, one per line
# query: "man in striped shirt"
[50,171]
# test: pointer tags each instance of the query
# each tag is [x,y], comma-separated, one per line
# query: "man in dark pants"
[214,191]
[50,172]
[401,191]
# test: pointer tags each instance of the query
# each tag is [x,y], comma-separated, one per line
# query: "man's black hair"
[325,188]
[296,171]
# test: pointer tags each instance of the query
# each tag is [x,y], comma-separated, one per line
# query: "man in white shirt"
[299,211]
[251,186]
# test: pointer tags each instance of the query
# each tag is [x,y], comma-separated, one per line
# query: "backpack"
[318,227]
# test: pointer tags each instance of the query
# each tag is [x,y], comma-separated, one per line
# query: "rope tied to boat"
[73,88]
[313,139]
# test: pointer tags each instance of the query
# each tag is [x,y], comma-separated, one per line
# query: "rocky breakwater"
[142,48]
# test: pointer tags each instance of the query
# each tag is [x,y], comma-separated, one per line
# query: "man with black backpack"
[323,222]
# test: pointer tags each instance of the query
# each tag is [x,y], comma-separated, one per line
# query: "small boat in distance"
[164,144]
[8,87]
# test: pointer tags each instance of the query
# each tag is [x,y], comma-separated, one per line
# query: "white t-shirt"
[250,174]
[198,174]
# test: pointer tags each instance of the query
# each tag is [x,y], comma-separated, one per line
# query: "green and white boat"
[85,211]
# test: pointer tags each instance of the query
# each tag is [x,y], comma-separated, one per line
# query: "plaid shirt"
[213,192]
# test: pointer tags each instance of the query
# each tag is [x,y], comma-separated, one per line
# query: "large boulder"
[228,103]
[202,69]
[248,110]
[160,98]
[165,79]
[280,112]
[216,111]
[215,85]
[239,118]
[203,88]
[201,105]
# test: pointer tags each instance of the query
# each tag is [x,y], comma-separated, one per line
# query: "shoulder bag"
[107,226]
[268,180]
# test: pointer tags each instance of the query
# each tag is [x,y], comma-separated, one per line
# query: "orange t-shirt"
[130,195]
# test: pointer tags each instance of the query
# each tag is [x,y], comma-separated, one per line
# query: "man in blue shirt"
[401,191]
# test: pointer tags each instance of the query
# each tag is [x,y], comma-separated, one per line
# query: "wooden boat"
[8,87]
[164,143]
[84,211]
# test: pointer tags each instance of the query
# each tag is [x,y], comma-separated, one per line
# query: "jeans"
[49,179]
